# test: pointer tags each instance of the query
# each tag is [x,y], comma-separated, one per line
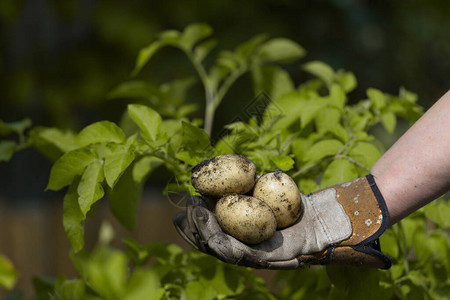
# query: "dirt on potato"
[280,192]
[224,174]
[246,218]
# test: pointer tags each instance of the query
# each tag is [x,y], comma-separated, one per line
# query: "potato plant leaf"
[389,121]
[193,34]
[338,171]
[100,132]
[148,120]
[73,289]
[377,97]
[7,149]
[289,106]
[52,142]
[283,162]
[280,50]
[144,166]
[272,80]
[144,284]
[17,127]
[204,48]
[68,166]
[106,271]
[322,149]
[73,218]
[320,70]
[116,162]
[365,153]
[90,189]
[8,275]
[124,198]
[438,211]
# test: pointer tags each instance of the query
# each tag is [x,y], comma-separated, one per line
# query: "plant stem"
[350,159]
[209,112]
[402,245]
[210,93]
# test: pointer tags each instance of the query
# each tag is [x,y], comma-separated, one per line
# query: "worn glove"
[340,225]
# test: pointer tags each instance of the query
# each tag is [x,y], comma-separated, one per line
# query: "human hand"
[340,225]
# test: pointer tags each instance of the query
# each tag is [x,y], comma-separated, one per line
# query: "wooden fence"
[33,238]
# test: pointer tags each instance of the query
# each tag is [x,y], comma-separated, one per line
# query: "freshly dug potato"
[280,192]
[246,218]
[224,174]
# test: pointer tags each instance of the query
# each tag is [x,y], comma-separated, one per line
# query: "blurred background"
[59,60]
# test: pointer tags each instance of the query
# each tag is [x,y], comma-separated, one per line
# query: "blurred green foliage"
[59,58]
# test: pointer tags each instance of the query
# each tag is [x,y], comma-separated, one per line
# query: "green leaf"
[89,189]
[365,153]
[322,149]
[203,49]
[244,51]
[68,166]
[439,211]
[194,137]
[135,89]
[337,96]
[7,149]
[144,284]
[18,127]
[300,147]
[357,283]
[283,162]
[116,162]
[221,278]
[195,290]
[171,127]
[144,166]
[389,121]
[52,142]
[124,198]
[73,218]
[338,171]
[327,119]
[310,109]
[320,70]
[70,289]
[148,120]
[307,186]
[347,80]
[168,37]
[146,54]
[196,144]
[272,80]
[106,272]
[100,132]
[280,50]
[389,242]
[377,97]
[8,275]
[193,34]
[289,106]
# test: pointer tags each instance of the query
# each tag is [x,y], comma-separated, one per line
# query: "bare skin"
[416,169]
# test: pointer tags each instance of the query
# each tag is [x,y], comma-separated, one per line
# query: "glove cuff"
[367,210]
[368,213]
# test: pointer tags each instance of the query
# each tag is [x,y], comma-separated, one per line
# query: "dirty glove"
[340,225]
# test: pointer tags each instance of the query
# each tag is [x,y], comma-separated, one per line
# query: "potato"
[224,174]
[246,218]
[280,192]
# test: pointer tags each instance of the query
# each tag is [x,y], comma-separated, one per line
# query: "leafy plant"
[310,130]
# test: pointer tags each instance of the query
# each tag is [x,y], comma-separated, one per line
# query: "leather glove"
[340,225]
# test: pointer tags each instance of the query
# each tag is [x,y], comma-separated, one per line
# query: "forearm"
[416,169]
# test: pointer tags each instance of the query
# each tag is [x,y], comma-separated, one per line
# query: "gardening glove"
[340,225]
